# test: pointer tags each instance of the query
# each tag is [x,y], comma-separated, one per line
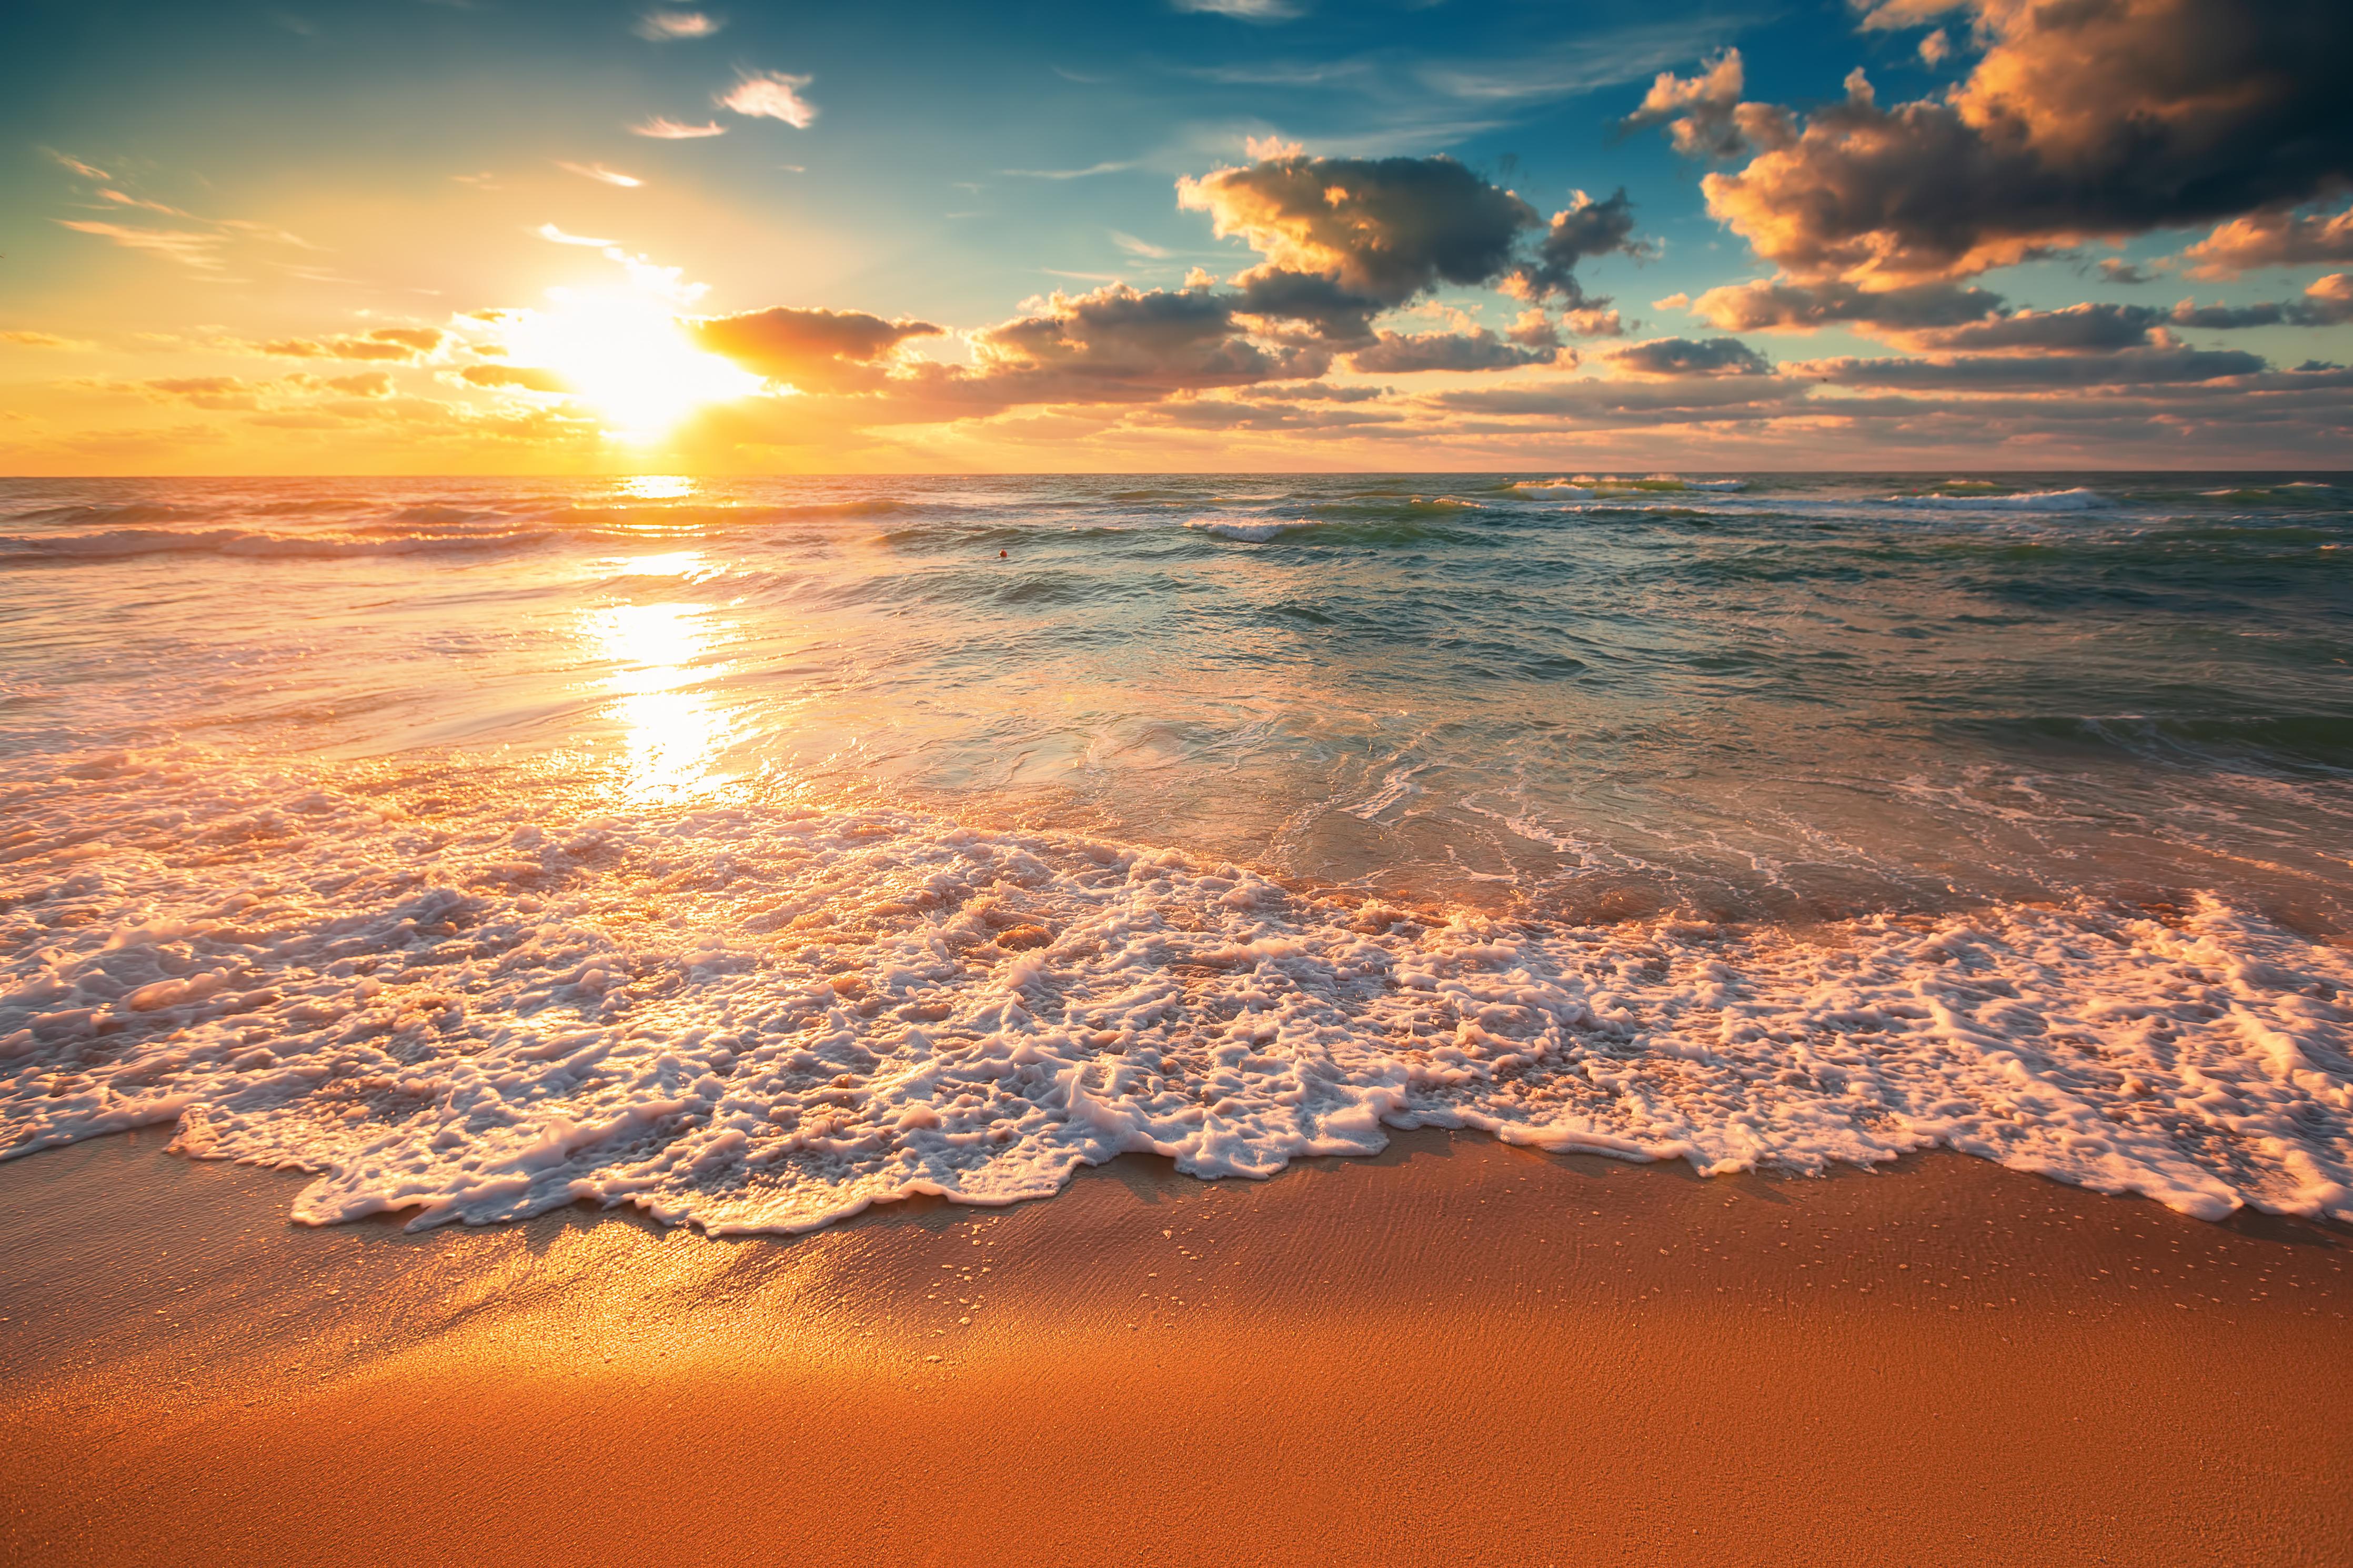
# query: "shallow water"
[753,850]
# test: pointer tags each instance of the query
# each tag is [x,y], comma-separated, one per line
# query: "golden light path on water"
[659,653]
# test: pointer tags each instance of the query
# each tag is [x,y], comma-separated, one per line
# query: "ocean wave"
[91,515]
[2077,500]
[128,543]
[464,1007]
[1249,529]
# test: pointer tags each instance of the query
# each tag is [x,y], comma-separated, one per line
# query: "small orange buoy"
[1000,556]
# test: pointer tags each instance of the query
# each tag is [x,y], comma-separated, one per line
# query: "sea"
[754,851]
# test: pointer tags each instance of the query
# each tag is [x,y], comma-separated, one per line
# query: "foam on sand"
[455,995]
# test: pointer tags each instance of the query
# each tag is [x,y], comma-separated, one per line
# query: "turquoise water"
[1639,725]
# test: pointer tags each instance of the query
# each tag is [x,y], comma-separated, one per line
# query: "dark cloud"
[2078,329]
[1779,305]
[1666,401]
[1402,354]
[1316,392]
[2116,269]
[1382,229]
[2082,118]
[1118,344]
[1277,294]
[2103,328]
[1689,356]
[1585,228]
[2275,238]
[812,350]
[2133,366]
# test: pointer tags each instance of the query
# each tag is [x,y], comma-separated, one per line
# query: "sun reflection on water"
[654,486]
[674,733]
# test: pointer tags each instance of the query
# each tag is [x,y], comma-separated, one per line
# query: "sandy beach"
[1457,1352]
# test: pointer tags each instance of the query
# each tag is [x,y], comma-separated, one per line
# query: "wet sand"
[1456,1353]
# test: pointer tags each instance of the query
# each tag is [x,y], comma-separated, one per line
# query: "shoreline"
[1455,1350]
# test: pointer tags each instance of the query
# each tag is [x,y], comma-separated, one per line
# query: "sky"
[488,237]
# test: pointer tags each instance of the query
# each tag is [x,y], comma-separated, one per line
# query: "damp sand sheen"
[1466,879]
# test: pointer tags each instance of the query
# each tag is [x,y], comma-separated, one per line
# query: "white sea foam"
[2077,500]
[480,1005]
[1570,488]
[1248,530]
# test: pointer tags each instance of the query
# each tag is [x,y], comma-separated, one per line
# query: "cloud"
[2088,117]
[383,344]
[1140,247]
[773,95]
[600,172]
[1585,228]
[1701,113]
[2103,327]
[1776,305]
[666,130]
[2329,301]
[1689,356]
[197,250]
[1276,295]
[1088,172]
[2116,269]
[1260,11]
[26,338]
[1399,353]
[1889,15]
[1384,230]
[2088,328]
[812,350]
[549,232]
[515,376]
[123,199]
[1665,400]
[224,392]
[1936,49]
[86,171]
[2132,366]
[2275,238]
[367,384]
[662,26]
[1118,344]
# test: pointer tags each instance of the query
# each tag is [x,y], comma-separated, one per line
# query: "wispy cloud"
[1244,10]
[1587,65]
[666,130]
[26,338]
[1091,169]
[600,172]
[86,171]
[197,250]
[1143,247]
[548,231]
[773,95]
[123,199]
[662,26]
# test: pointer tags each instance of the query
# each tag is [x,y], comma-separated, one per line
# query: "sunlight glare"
[622,351]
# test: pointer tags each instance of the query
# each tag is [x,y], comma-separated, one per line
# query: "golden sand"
[1456,1353]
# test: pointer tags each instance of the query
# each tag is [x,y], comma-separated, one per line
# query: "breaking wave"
[460,997]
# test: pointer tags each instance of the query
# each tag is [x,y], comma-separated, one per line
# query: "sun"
[624,354]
